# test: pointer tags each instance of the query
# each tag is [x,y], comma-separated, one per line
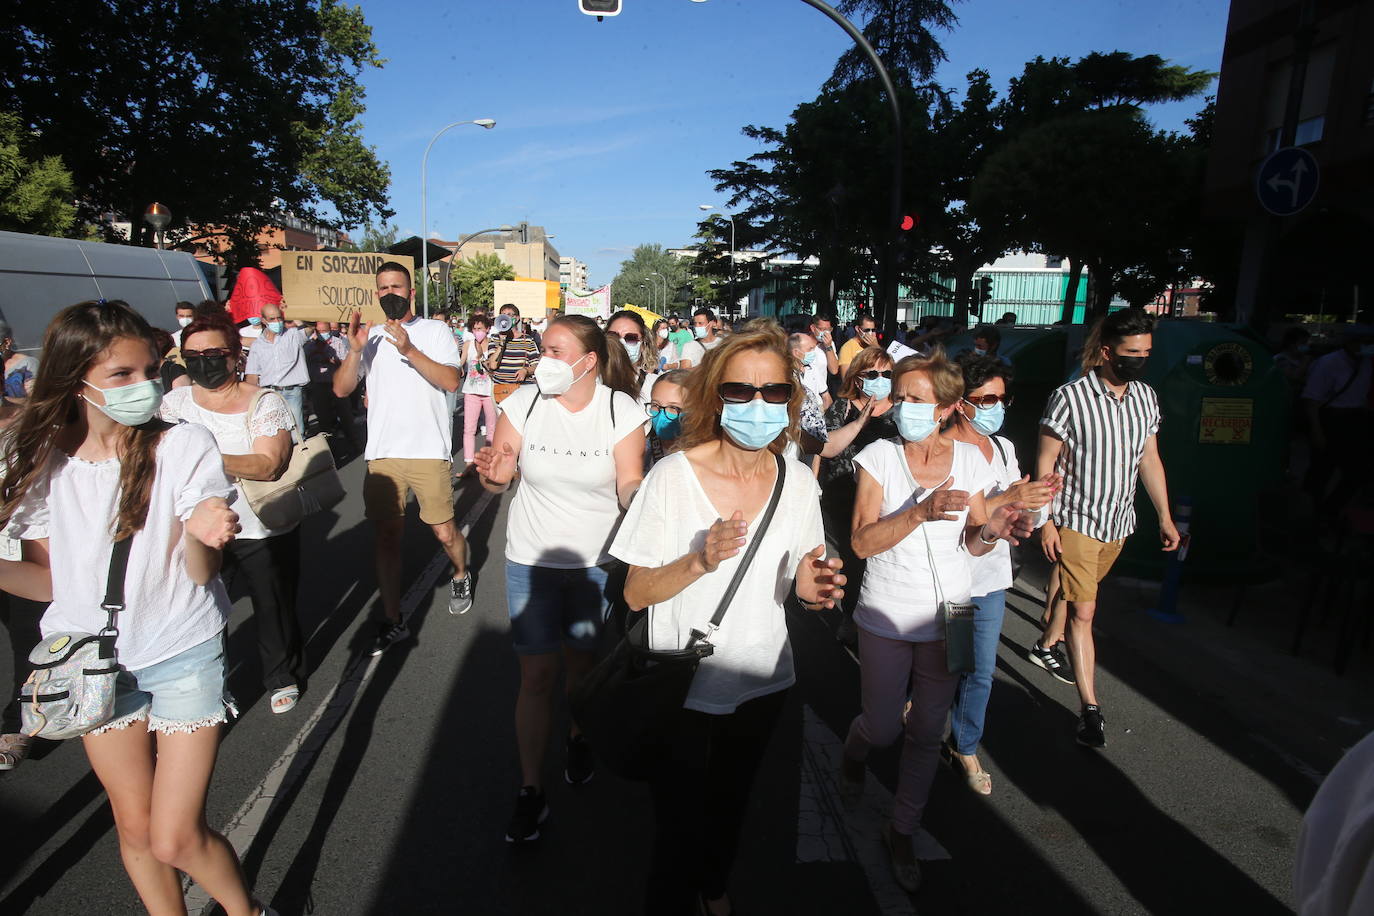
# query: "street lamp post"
[448,277]
[732,253]
[158,218]
[654,273]
[486,123]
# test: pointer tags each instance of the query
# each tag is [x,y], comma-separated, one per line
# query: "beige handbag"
[309,484]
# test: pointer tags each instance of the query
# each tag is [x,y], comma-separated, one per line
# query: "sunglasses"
[631,337]
[216,353]
[743,392]
[653,409]
[990,400]
[871,374]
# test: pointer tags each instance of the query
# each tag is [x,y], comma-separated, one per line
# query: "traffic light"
[599,8]
[522,233]
[984,289]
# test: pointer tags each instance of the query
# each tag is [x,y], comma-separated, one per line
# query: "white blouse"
[234,434]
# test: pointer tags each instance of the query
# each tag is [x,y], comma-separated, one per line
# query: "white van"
[40,276]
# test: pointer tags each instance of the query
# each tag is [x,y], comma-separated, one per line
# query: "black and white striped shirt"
[1104,439]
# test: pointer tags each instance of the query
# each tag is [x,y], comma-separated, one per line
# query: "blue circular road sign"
[1287,181]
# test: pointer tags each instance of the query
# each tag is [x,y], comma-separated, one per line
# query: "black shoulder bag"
[628,705]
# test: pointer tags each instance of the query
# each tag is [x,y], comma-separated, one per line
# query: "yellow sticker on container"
[59,644]
[1226,421]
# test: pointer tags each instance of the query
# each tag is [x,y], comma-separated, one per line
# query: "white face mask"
[183,321]
[553,376]
[632,349]
[662,333]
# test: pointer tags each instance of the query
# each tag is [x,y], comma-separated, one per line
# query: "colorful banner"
[594,304]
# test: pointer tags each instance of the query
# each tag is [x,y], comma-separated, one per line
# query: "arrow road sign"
[1287,181]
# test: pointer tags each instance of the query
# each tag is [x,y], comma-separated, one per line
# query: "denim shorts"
[553,608]
[179,694]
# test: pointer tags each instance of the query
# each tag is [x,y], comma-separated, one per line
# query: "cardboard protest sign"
[332,285]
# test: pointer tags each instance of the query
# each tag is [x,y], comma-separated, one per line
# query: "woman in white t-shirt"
[919,515]
[477,400]
[628,328]
[978,416]
[576,438]
[89,463]
[256,447]
[682,539]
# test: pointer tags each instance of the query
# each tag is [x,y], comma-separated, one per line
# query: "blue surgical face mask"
[324,335]
[276,326]
[701,331]
[255,321]
[978,351]
[988,420]
[632,349]
[130,405]
[877,388]
[754,424]
[810,357]
[915,422]
[666,427]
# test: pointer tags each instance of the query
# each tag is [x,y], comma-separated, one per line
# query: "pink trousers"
[887,665]
[473,404]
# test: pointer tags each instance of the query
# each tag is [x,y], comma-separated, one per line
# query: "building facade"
[572,275]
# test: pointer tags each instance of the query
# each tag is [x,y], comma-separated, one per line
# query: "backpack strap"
[114,594]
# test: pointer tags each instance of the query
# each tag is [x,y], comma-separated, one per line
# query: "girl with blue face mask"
[665,410]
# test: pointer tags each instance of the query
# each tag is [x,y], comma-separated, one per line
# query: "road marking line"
[1305,769]
[314,734]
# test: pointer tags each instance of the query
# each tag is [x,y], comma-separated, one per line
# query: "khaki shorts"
[384,488]
[1084,562]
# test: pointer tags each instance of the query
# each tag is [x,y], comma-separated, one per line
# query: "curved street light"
[448,275]
[486,123]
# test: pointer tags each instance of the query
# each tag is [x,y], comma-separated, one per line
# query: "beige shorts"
[384,488]
[1084,563]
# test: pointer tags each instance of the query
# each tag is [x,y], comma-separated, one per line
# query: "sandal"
[905,868]
[284,699]
[14,750]
[979,781]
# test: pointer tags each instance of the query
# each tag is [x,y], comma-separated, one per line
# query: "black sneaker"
[530,811]
[460,594]
[1092,728]
[1052,660]
[388,634]
[581,765]
[1060,651]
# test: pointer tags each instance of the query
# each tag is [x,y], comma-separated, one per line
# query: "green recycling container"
[1223,439]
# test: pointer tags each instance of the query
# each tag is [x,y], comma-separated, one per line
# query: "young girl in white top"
[920,497]
[88,464]
[682,539]
[577,440]
[629,328]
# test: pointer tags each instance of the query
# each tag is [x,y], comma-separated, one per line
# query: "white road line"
[1305,769]
[300,753]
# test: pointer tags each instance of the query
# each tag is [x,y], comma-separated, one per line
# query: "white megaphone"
[502,324]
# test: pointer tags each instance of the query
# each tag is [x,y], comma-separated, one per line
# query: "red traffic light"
[909,222]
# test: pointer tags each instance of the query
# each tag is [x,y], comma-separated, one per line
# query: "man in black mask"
[1098,433]
[411,364]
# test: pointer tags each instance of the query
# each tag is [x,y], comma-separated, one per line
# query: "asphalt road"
[387,790]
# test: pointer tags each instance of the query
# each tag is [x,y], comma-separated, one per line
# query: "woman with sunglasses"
[978,417]
[918,516]
[577,441]
[860,414]
[627,327]
[88,463]
[682,538]
[256,447]
[665,413]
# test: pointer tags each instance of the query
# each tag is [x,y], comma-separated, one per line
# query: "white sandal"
[284,700]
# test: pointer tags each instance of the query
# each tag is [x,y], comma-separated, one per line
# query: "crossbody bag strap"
[114,594]
[743,566]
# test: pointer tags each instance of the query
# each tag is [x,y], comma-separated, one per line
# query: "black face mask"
[1129,368]
[394,306]
[207,372]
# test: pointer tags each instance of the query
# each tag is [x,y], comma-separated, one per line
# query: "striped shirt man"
[1104,439]
[516,353]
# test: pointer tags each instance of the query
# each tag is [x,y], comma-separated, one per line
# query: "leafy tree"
[35,194]
[227,112]
[472,282]
[639,268]
[375,238]
[900,31]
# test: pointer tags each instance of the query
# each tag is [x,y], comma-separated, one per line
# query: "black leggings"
[700,800]
[20,618]
[271,569]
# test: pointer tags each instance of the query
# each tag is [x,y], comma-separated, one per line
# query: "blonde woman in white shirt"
[920,497]
[682,539]
[576,437]
[88,463]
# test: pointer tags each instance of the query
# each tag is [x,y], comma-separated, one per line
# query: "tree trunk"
[963,289]
[1100,289]
[1071,290]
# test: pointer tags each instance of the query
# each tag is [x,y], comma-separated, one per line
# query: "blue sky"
[605,130]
